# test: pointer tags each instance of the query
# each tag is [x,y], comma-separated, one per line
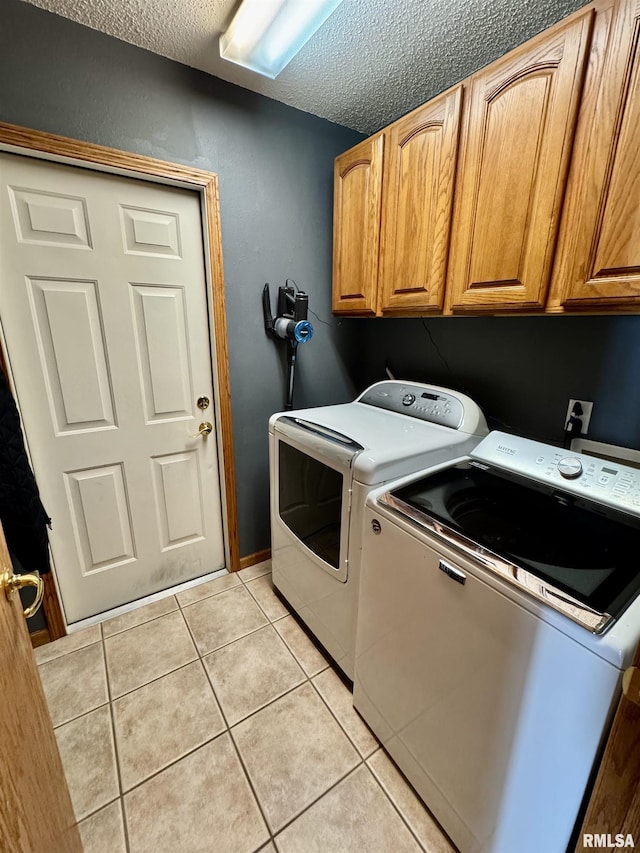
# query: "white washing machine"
[323,463]
[498,609]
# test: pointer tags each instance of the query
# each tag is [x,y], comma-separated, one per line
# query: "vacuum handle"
[266,310]
[300,306]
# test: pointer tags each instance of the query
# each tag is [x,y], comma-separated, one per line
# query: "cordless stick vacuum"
[290,325]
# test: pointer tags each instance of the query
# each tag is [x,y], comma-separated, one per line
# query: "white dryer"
[323,463]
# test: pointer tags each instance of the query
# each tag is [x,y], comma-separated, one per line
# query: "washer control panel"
[609,483]
[425,402]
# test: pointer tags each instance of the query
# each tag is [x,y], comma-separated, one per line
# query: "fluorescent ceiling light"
[265,35]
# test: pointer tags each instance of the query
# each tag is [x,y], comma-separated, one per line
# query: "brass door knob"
[204,429]
[12,583]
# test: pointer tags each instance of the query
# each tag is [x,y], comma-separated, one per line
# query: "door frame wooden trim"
[74,152]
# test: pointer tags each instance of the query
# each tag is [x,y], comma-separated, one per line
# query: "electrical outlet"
[587,408]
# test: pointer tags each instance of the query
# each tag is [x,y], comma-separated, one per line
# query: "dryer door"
[311,488]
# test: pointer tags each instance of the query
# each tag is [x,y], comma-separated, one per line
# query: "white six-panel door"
[104,312]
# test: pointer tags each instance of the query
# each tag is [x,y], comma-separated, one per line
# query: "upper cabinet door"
[419,177]
[599,258]
[356,227]
[514,158]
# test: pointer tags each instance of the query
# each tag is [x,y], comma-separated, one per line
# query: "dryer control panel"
[426,402]
[609,483]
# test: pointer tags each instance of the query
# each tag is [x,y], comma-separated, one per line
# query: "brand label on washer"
[454,574]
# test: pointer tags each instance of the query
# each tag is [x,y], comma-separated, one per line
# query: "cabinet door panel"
[356,227]
[516,146]
[420,169]
[600,257]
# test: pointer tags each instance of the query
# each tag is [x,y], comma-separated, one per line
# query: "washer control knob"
[408,399]
[570,467]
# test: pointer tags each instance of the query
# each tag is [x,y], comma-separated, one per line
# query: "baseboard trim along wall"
[257,557]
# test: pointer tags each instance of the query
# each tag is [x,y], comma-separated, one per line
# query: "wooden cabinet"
[598,264]
[356,227]
[515,149]
[545,194]
[417,204]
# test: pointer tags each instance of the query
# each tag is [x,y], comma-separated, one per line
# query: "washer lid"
[571,556]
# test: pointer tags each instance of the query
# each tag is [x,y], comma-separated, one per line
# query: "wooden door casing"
[356,227]
[35,806]
[515,150]
[599,256]
[419,179]
[76,152]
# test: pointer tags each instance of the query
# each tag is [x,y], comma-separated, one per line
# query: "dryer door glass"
[310,502]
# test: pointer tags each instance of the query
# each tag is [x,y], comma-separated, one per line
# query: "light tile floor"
[210,721]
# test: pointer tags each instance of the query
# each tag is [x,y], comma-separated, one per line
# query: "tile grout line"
[228,729]
[138,624]
[247,776]
[310,805]
[80,716]
[70,652]
[96,811]
[270,702]
[200,654]
[365,760]
[288,613]
[284,640]
[200,658]
[203,654]
[171,764]
[116,753]
[272,837]
[232,739]
[197,659]
[153,680]
[395,807]
[248,580]
[337,719]
[181,757]
[210,595]
[178,607]
[242,583]
[86,710]
[275,698]
[257,603]
[362,760]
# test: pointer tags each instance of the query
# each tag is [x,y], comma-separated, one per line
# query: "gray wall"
[275,168]
[521,370]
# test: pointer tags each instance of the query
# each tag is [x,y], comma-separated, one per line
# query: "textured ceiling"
[370,63]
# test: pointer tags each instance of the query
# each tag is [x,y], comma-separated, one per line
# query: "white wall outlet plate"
[587,408]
